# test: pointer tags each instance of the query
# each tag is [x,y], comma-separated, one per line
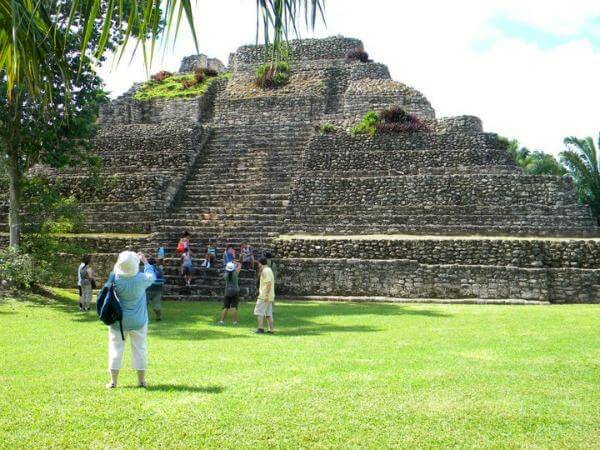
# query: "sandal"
[143,385]
[111,385]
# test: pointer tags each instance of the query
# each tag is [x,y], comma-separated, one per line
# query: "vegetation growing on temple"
[390,120]
[272,76]
[165,85]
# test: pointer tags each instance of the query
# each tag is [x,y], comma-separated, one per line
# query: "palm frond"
[29,34]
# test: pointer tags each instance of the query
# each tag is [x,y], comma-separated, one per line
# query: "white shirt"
[81,266]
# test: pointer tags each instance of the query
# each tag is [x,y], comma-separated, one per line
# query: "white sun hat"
[230,267]
[128,264]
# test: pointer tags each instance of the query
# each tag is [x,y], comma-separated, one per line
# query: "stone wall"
[305,49]
[401,278]
[377,94]
[341,153]
[201,61]
[433,190]
[530,253]
[126,110]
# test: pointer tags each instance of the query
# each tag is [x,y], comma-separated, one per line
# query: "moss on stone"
[173,87]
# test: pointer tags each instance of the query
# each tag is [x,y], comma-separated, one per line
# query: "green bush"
[17,270]
[326,128]
[366,125]
[271,75]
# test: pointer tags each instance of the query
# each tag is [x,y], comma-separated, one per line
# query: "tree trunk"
[14,206]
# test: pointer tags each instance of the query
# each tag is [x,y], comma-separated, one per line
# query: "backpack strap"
[111,283]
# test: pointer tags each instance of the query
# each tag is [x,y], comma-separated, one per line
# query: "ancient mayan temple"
[443,214]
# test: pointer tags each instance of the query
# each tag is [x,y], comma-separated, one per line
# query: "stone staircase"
[238,191]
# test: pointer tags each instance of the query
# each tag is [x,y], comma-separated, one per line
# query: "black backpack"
[108,305]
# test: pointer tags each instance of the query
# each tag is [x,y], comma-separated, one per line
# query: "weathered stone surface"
[403,278]
[242,163]
[201,61]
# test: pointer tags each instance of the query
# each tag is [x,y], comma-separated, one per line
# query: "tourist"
[247,256]
[81,266]
[130,288]
[232,292]
[160,253]
[86,283]
[211,255]
[184,242]
[266,297]
[187,266]
[228,255]
[154,292]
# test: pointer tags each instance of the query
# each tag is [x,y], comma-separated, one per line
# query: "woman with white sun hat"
[130,288]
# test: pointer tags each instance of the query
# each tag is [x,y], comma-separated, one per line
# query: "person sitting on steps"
[211,255]
[247,256]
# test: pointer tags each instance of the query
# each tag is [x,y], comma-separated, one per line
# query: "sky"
[530,69]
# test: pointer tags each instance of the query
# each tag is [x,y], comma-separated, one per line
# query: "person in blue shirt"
[228,255]
[130,288]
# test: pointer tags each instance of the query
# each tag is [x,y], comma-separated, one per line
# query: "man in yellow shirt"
[266,297]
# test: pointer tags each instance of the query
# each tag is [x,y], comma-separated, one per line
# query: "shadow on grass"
[63,303]
[195,320]
[212,389]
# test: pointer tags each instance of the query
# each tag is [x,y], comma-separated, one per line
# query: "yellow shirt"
[266,276]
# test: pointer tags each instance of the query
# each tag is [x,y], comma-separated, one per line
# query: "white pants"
[116,348]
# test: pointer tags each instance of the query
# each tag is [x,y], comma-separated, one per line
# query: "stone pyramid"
[442,215]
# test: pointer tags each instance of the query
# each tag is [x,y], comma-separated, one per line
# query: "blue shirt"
[228,257]
[161,252]
[131,292]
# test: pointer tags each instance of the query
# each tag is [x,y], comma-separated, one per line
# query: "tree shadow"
[196,321]
[321,329]
[172,387]
[46,298]
[306,309]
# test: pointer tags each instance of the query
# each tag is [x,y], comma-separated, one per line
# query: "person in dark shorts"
[154,292]
[232,292]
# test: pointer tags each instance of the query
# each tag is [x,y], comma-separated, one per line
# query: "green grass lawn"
[335,376]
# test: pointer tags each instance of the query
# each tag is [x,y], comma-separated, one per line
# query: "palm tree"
[30,30]
[582,163]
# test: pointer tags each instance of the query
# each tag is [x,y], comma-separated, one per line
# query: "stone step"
[423,170]
[233,195]
[459,230]
[120,227]
[224,209]
[224,217]
[574,210]
[197,188]
[249,236]
[221,169]
[200,204]
[384,220]
[462,250]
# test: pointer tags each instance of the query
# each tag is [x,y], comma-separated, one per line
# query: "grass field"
[335,376]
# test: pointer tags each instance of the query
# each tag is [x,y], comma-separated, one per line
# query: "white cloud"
[536,95]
